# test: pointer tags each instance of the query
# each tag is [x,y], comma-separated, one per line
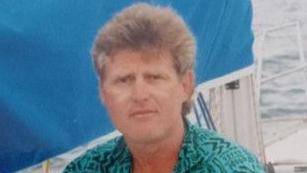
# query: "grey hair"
[144,27]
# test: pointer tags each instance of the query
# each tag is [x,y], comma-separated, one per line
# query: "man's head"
[145,58]
[143,27]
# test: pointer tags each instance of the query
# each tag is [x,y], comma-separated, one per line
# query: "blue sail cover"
[48,90]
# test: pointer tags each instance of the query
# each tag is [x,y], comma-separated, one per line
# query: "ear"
[101,92]
[188,83]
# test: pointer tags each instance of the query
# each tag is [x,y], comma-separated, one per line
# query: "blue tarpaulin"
[49,100]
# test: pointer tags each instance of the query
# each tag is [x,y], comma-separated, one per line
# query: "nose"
[140,91]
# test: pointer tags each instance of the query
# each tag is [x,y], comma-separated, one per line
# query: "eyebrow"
[119,76]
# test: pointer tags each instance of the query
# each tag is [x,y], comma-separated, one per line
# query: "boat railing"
[260,80]
[259,59]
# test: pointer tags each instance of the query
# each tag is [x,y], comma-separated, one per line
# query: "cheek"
[171,98]
[115,102]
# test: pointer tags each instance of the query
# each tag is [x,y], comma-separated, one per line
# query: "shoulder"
[223,155]
[90,161]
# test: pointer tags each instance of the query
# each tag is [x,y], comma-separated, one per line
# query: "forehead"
[131,62]
[127,57]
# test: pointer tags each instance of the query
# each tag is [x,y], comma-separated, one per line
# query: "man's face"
[144,94]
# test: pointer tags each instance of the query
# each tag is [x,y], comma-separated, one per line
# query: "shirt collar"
[121,153]
[188,154]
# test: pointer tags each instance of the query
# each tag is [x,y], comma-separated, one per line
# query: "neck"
[158,156]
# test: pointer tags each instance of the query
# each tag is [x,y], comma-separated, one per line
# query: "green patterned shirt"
[202,151]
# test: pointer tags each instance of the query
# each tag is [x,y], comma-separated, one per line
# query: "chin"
[146,136]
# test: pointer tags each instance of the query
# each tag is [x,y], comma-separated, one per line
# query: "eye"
[154,77]
[124,79]
[157,77]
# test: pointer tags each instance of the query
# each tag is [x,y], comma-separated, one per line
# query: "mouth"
[142,113]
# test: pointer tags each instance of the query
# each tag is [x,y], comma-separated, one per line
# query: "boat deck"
[285,144]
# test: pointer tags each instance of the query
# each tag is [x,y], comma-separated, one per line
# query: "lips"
[142,113]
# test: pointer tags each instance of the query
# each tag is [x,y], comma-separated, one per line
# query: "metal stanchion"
[46,166]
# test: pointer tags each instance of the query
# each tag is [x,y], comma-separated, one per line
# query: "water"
[285,96]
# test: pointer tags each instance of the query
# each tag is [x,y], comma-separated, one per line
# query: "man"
[144,58]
